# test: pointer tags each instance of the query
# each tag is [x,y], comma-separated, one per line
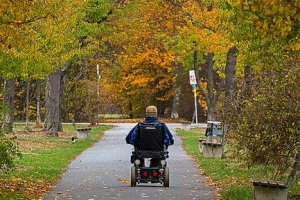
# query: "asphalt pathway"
[103,172]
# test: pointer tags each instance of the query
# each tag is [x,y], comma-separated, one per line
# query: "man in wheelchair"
[151,139]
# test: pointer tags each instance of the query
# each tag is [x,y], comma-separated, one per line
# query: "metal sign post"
[193,82]
[98,78]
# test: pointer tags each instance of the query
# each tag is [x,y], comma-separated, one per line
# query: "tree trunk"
[178,72]
[175,105]
[212,95]
[38,102]
[52,122]
[210,88]
[54,92]
[209,96]
[27,104]
[210,112]
[230,72]
[8,105]
[247,78]
[230,80]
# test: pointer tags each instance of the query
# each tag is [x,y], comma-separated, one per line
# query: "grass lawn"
[232,178]
[43,162]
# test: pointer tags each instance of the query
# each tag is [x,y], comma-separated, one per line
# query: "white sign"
[192,77]
[98,72]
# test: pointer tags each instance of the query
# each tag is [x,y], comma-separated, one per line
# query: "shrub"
[265,125]
[9,152]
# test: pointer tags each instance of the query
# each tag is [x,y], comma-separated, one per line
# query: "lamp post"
[98,91]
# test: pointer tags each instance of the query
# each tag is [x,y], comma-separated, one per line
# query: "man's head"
[151,111]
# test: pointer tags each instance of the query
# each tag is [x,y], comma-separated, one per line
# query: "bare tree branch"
[175,4]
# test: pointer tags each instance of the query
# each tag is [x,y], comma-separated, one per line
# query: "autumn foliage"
[145,50]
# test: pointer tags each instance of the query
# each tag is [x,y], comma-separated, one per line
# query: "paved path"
[103,172]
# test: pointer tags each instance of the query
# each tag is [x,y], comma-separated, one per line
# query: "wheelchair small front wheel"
[133,176]
[167,177]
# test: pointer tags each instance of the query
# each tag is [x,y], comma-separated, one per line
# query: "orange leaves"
[146,63]
[148,76]
[27,188]
[152,57]
[123,180]
[138,80]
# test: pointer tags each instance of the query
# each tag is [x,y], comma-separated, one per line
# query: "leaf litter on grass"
[29,143]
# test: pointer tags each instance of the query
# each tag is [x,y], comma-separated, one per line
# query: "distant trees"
[145,72]
[8,105]
[145,50]
[161,35]
[238,52]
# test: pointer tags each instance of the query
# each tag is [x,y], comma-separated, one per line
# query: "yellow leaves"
[39,34]
[16,180]
[124,181]
[28,188]
[272,19]
[140,81]
[281,9]
[169,25]
[148,74]
[240,4]
[293,47]
[149,57]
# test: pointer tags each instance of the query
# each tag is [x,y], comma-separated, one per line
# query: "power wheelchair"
[151,146]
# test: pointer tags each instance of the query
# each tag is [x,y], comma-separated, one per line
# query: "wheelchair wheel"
[167,179]
[133,176]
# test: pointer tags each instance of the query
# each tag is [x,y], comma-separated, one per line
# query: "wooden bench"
[276,190]
[186,125]
[83,132]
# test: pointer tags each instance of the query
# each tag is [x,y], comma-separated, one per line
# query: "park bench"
[83,132]
[276,190]
[211,149]
[213,145]
[186,125]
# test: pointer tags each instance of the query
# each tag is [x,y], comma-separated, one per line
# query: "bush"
[9,152]
[265,125]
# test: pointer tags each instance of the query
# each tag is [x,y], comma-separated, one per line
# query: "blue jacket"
[132,138]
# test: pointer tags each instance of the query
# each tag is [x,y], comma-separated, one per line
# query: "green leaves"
[39,35]
[266,30]
[9,152]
